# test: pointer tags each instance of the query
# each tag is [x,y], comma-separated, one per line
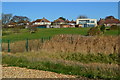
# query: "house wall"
[88,22]
[42,23]
[59,23]
[43,26]
[55,26]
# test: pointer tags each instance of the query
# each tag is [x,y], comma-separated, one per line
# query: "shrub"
[114,27]
[32,29]
[94,31]
[102,28]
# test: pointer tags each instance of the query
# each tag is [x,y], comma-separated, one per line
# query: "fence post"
[27,45]
[71,39]
[49,37]
[42,40]
[8,45]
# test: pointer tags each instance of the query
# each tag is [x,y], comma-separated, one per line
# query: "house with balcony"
[86,22]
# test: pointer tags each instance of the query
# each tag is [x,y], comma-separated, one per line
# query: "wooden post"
[42,39]
[27,45]
[49,38]
[8,45]
[71,39]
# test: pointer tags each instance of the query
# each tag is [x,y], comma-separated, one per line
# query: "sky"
[54,10]
[60,0]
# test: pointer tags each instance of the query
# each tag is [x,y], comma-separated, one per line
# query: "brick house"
[109,21]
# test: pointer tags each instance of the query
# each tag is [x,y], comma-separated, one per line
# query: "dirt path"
[16,72]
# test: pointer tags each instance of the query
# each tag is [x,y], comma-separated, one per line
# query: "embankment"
[69,44]
[82,44]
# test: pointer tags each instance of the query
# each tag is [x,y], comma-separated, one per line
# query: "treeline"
[8,19]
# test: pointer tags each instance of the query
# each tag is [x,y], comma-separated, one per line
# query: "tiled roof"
[72,21]
[67,21]
[12,23]
[108,20]
[41,20]
[59,20]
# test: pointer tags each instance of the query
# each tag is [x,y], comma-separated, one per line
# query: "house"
[12,24]
[109,21]
[42,23]
[59,22]
[86,22]
[72,22]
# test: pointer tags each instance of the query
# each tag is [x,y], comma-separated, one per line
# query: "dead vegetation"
[69,44]
[82,44]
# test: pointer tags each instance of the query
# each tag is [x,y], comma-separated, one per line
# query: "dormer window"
[43,21]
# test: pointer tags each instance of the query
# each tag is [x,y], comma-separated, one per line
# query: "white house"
[87,22]
[41,22]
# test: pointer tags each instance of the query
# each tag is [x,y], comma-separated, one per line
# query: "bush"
[94,31]
[102,28]
[114,27]
[32,29]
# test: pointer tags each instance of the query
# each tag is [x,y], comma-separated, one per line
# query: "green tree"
[62,18]
[102,28]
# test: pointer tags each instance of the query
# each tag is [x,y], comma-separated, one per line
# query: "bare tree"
[82,17]
[20,19]
[0,21]
[6,18]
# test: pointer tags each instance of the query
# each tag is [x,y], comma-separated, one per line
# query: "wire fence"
[15,45]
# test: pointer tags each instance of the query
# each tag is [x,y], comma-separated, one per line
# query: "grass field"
[47,32]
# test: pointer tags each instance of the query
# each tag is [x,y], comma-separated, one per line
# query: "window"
[92,21]
[43,21]
[91,25]
[83,21]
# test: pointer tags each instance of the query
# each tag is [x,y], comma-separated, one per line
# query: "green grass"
[87,58]
[46,32]
[78,70]
[112,32]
